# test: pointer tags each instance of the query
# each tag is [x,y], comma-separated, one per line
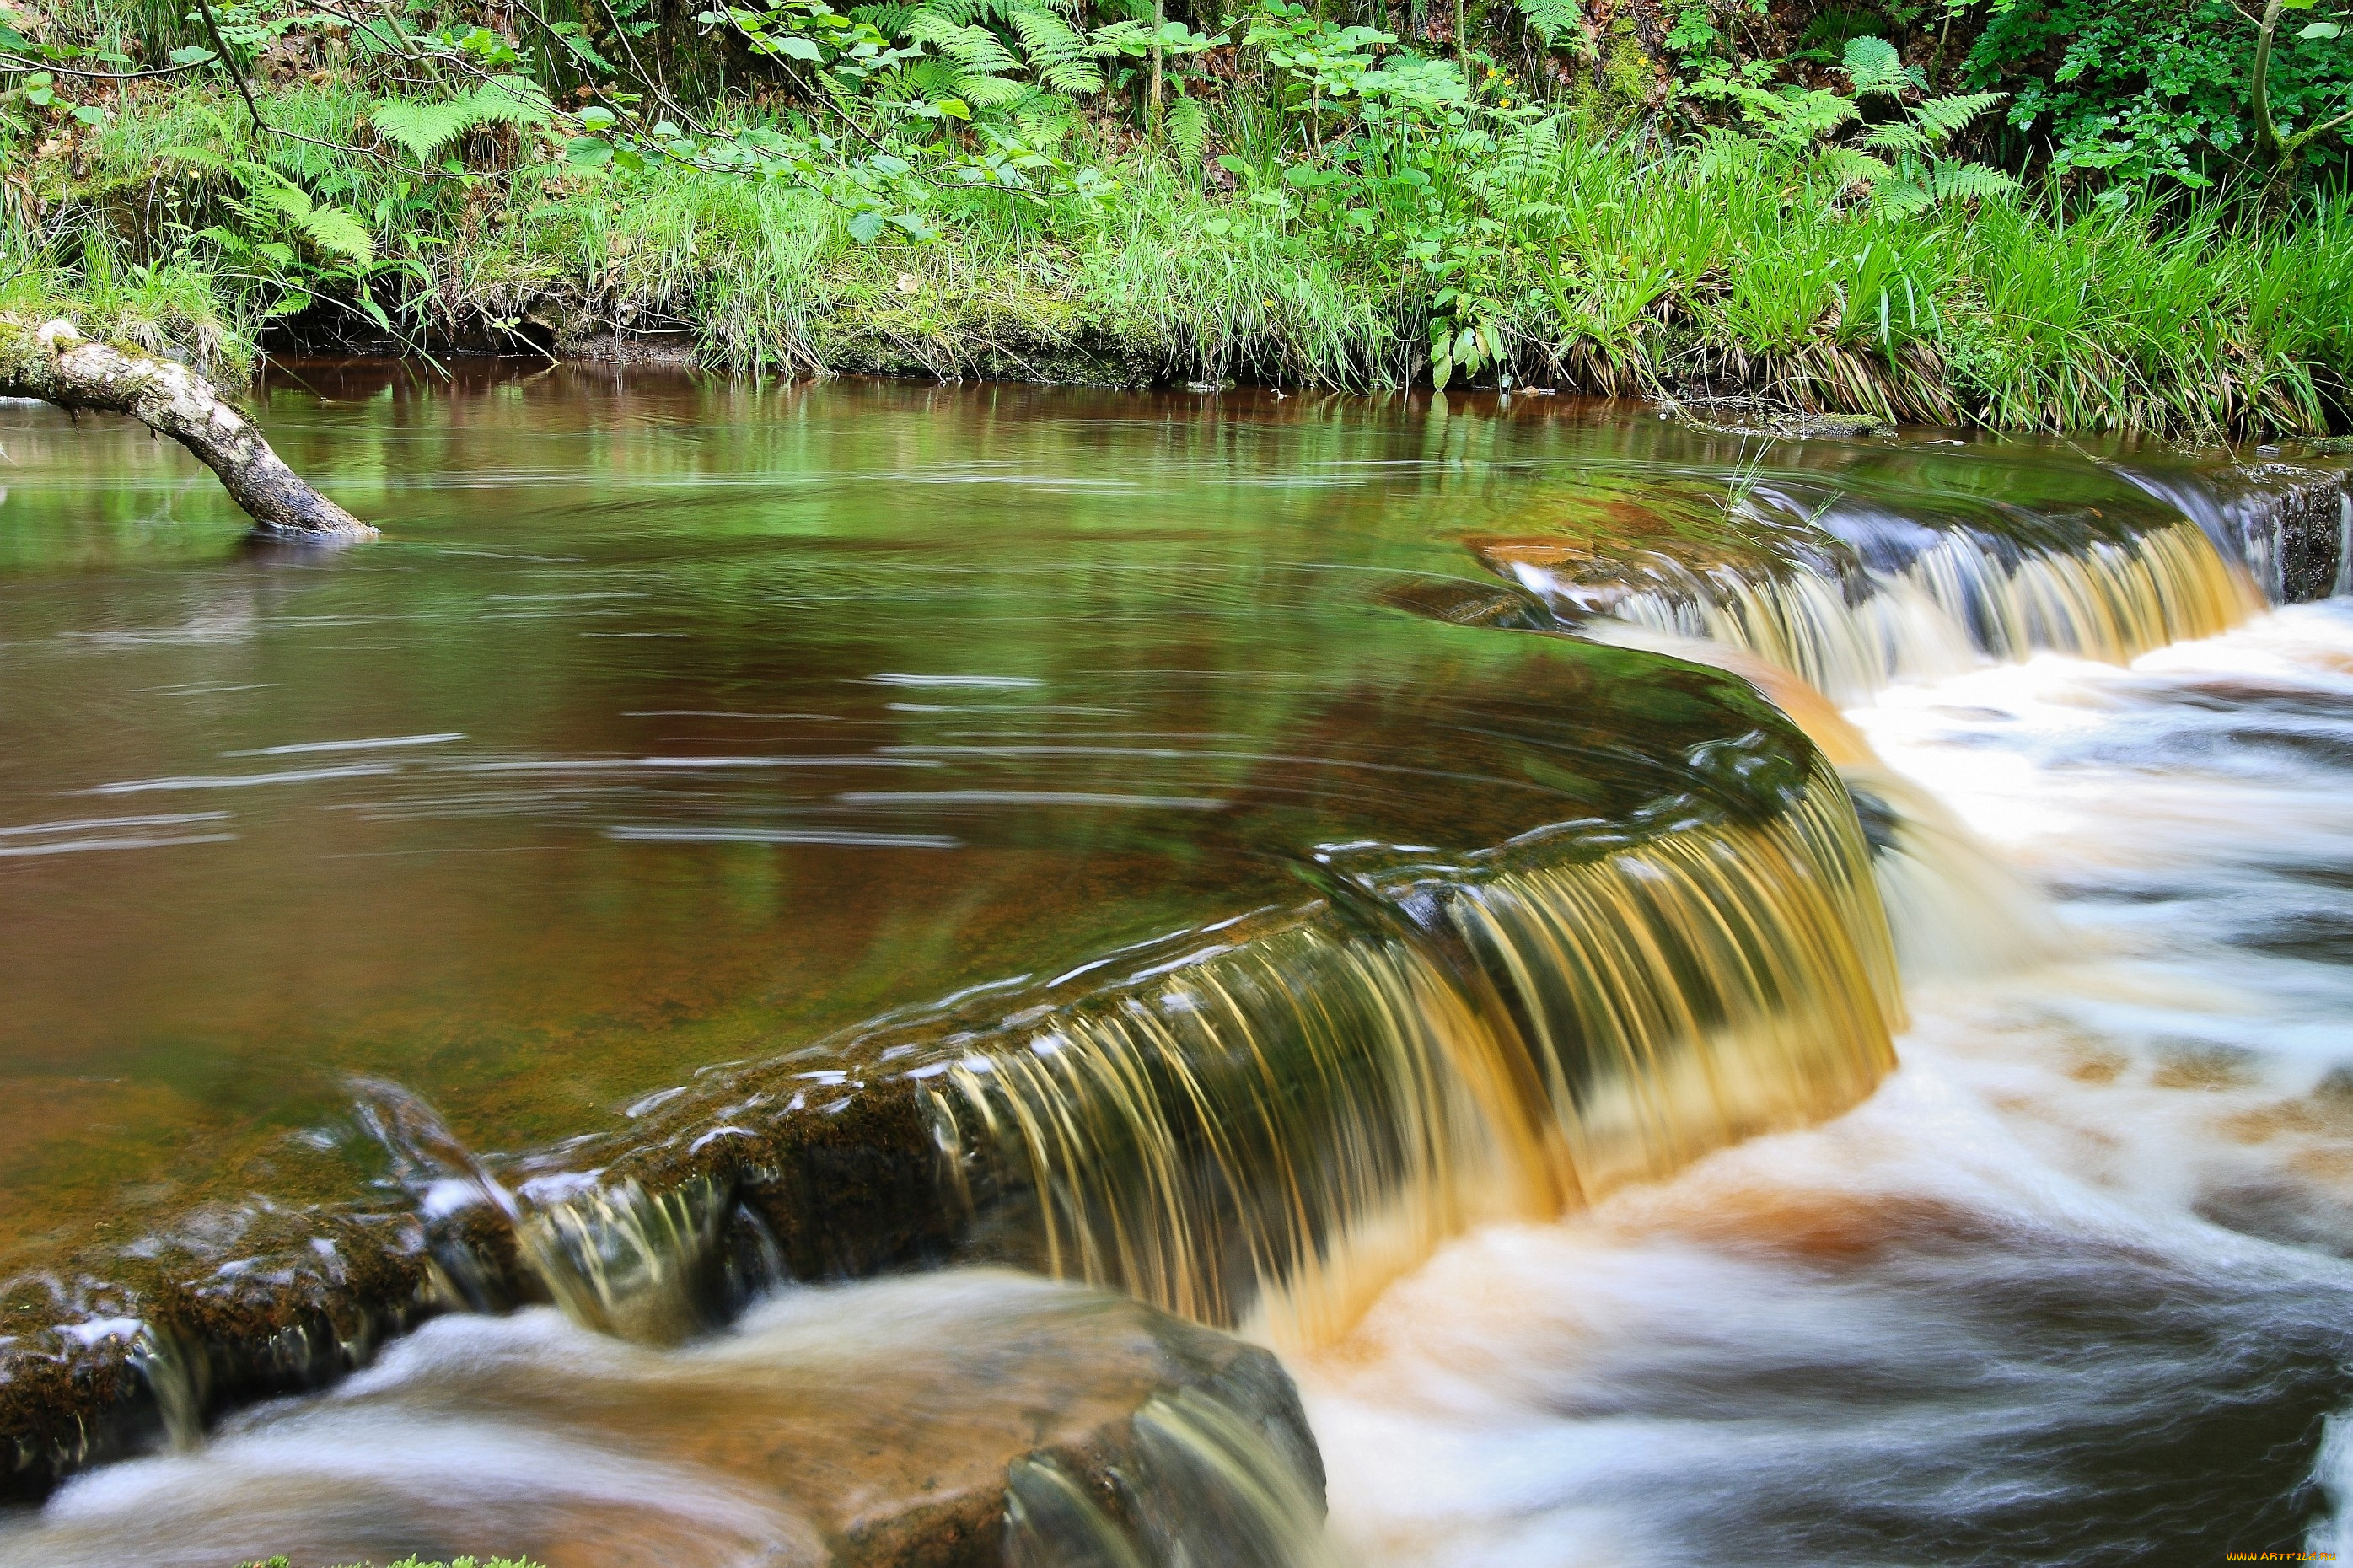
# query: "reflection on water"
[688,725]
[731,837]
[2071,1288]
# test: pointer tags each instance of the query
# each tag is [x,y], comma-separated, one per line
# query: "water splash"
[643,1266]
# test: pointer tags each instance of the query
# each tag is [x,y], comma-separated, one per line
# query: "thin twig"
[228,63]
[11,62]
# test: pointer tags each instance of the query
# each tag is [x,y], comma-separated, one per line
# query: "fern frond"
[976,48]
[1941,117]
[889,18]
[1729,154]
[1955,182]
[1845,166]
[1896,136]
[282,196]
[1128,36]
[421,129]
[990,91]
[1872,64]
[1059,55]
[510,100]
[1554,20]
[197,158]
[1901,198]
[1044,119]
[337,233]
[1795,118]
[1188,129]
[930,78]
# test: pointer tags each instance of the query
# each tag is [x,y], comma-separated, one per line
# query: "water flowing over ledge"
[1254,1121]
[1871,596]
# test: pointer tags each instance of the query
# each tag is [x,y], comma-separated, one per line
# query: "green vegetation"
[1835,210]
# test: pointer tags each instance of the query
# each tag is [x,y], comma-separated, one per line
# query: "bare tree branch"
[55,363]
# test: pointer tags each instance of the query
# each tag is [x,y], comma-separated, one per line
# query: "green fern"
[331,231]
[973,46]
[337,233]
[990,91]
[1554,20]
[1044,119]
[1727,154]
[1847,166]
[1897,136]
[1058,57]
[889,18]
[1874,68]
[1943,118]
[510,100]
[1188,129]
[203,158]
[1970,182]
[1901,198]
[420,129]
[1129,36]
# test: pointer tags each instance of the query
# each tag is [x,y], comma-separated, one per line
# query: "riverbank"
[1620,263]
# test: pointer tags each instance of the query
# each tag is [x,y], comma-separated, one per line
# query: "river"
[1189,809]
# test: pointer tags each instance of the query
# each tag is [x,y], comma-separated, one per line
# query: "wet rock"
[885,1423]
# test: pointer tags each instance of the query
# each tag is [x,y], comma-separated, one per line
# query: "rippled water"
[690,749]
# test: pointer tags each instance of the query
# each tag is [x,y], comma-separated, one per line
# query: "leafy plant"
[1904,162]
[423,128]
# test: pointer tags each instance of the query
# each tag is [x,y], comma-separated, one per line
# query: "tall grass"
[1628,265]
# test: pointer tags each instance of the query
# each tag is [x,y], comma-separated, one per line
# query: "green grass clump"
[1616,263]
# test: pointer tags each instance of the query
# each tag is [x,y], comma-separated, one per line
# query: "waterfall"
[1268,1136]
[1853,631]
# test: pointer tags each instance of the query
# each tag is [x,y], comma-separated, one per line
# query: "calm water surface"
[678,723]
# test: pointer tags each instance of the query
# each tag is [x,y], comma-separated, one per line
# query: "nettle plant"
[1829,141]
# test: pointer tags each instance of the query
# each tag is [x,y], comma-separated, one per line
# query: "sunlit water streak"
[2071,1287]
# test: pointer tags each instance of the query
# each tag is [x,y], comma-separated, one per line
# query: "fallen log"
[53,362]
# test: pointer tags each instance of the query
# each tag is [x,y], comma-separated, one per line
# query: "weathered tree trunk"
[55,363]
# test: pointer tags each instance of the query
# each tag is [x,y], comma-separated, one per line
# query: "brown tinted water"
[1185,806]
[681,724]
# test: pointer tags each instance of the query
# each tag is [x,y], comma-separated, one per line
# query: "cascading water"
[1558,1020]
[2070,1288]
[1852,632]
[1266,1137]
